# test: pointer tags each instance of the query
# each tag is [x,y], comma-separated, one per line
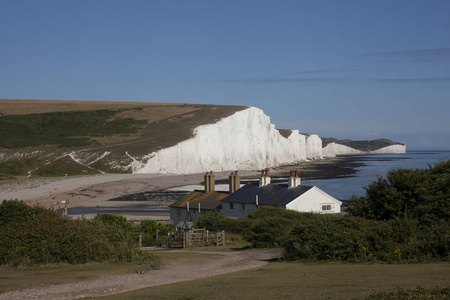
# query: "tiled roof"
[207,201]
[272,194]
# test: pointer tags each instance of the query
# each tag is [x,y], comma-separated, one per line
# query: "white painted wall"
[312,201]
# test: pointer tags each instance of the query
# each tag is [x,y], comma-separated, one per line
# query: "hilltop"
[57,137]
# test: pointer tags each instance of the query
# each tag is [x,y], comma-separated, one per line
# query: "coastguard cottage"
[239,201]
[187,210]
[293,196]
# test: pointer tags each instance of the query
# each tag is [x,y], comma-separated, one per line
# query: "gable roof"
[271,194]
[210,200]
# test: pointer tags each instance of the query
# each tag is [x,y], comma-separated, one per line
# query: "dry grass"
[303,281]
[24,107]
[16,279]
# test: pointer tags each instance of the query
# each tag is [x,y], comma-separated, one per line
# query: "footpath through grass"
[281,280]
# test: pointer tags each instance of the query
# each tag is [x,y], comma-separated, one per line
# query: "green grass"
[303,281]
[63,129]
[17,279]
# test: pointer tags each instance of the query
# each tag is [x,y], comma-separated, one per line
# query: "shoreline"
[98,190]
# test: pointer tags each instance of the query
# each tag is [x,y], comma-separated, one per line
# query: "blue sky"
[344,69]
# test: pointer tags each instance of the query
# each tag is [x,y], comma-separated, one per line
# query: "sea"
[377,165]
[342,188]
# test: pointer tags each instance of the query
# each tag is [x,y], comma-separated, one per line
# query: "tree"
[422,193]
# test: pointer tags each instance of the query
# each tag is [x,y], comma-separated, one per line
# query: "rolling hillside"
[53,138]
[60,137]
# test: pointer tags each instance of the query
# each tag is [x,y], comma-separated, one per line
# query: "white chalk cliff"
[333,149]
[244,140]
[396,149]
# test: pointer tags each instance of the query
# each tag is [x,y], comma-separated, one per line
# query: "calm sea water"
[376,165]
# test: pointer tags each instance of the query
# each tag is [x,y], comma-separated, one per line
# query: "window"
[231,205]
[243,206]
[326,207]
[178,212]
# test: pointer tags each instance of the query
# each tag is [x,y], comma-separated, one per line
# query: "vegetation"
[35,236]
[64,129]
[315,237]
[293,280]
[419,194]
[354,239]
[209,221]
[418,293]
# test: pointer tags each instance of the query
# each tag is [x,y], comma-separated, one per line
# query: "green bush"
[148,228]
[326,237]
[13,211]
[237,226]
[33,236]
[268,226]
[209,221]
[420,194]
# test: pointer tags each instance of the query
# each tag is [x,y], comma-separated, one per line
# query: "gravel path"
[212,265]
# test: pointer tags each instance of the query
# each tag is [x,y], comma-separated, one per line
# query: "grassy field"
[278,280]
[17,279]
[303,281]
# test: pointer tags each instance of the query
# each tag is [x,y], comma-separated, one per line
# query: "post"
[140,240]
[157,237]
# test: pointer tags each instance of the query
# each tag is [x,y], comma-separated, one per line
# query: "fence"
[195,238]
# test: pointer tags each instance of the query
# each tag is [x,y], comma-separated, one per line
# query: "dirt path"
[217,263]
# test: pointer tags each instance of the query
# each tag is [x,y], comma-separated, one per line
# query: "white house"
[293,196]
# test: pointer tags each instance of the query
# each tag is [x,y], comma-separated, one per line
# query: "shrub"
[268,226]
[209,221]
[36,236]
[421,194]
[13,211]
[238,226]
[148,228]
[326,237]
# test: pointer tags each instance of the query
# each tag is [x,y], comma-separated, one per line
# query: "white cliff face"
[395,149]
[313,146]
[245,140]
[333,149]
